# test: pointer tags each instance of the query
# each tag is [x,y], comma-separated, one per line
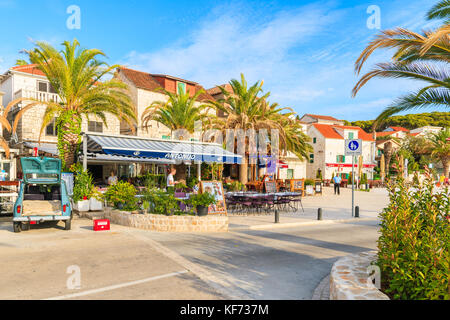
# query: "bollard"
[356,212]
[319,214]
[277,217]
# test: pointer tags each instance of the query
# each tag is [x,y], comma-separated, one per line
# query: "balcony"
[36,95]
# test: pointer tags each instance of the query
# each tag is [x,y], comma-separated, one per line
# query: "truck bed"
[41,208]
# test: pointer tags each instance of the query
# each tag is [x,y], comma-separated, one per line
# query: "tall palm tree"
[180,114]
[440,148]
[247,110]
[4,124]
[180,111]
[75,75]
[423,57]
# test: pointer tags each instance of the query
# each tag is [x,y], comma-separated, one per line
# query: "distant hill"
[409,121]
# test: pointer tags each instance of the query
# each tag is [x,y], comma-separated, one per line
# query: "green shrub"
[202,199]
[414,244]
[191,181]
[235,186]
[161,202]
[309,182]
[122,195]
[83,185]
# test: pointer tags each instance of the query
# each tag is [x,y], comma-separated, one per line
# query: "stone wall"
[162,223]
[349,279]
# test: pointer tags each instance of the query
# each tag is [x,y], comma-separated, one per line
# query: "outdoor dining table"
[277,196]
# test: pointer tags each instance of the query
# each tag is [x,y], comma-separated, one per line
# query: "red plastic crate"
[102,225]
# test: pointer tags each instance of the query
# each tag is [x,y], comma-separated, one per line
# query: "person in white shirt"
[170,178]
[112,179]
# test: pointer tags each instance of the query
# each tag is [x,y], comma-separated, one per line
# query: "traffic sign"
[353,147]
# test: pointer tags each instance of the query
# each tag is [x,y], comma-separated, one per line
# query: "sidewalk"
[334,209]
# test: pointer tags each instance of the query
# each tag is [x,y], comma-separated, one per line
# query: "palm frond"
[440,10]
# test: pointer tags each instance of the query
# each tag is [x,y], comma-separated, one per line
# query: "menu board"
[271,187]
[215,188]
[298,185]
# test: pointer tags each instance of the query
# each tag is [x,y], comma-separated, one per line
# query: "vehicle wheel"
[68,224]
[25,227]
[17,227]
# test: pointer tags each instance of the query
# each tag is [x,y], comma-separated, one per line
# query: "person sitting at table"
[112,179]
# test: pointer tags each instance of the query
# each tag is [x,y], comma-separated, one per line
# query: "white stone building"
[328,141]
[424,131]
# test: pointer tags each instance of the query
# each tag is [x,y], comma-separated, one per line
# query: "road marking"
[117,286]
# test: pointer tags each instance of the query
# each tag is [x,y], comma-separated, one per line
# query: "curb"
[298,224]
[322,291]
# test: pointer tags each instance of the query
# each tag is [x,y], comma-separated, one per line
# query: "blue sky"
[303,50]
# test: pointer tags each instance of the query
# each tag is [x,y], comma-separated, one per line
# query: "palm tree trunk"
[243,177]
[69,135]
[446,164]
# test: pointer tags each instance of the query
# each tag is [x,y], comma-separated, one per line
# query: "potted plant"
[82,189]
[201,202]
[309,186]
[96,201]
[122,195]
[364,182]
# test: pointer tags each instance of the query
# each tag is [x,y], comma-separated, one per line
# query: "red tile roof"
[29,68]
[146,81]
[329,132]
[384,134]
[399,129]
[322,117]
[216,90]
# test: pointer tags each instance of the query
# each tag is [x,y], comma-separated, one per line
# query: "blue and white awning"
[137,147]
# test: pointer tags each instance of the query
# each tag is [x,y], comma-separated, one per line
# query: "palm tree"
[4,124]
[75,75]
[180,112]
[440,148]
[417,56]
[246,110]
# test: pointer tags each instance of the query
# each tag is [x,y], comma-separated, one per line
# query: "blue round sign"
[353,145]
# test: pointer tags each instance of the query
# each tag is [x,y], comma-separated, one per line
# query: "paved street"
[127,263]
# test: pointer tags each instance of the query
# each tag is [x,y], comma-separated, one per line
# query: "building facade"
[328,141]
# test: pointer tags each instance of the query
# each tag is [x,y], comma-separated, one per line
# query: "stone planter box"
[81,206]
[349,279]
[95,205]
[162,223]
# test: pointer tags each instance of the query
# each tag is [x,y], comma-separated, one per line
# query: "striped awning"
[172,150]
[51,148]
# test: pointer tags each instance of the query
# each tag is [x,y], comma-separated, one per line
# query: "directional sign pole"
[353,186]
[353,148]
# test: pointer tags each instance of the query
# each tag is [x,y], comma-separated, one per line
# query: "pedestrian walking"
[337,184]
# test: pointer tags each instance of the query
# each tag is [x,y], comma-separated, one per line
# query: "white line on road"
[117,286]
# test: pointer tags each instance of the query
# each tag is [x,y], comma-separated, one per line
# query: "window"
[340,159]
[42,86]
[45,87]
[314,140]
[181,87]
[311,158]
[351,135]
[290,174]
[51,129]
[94,126]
